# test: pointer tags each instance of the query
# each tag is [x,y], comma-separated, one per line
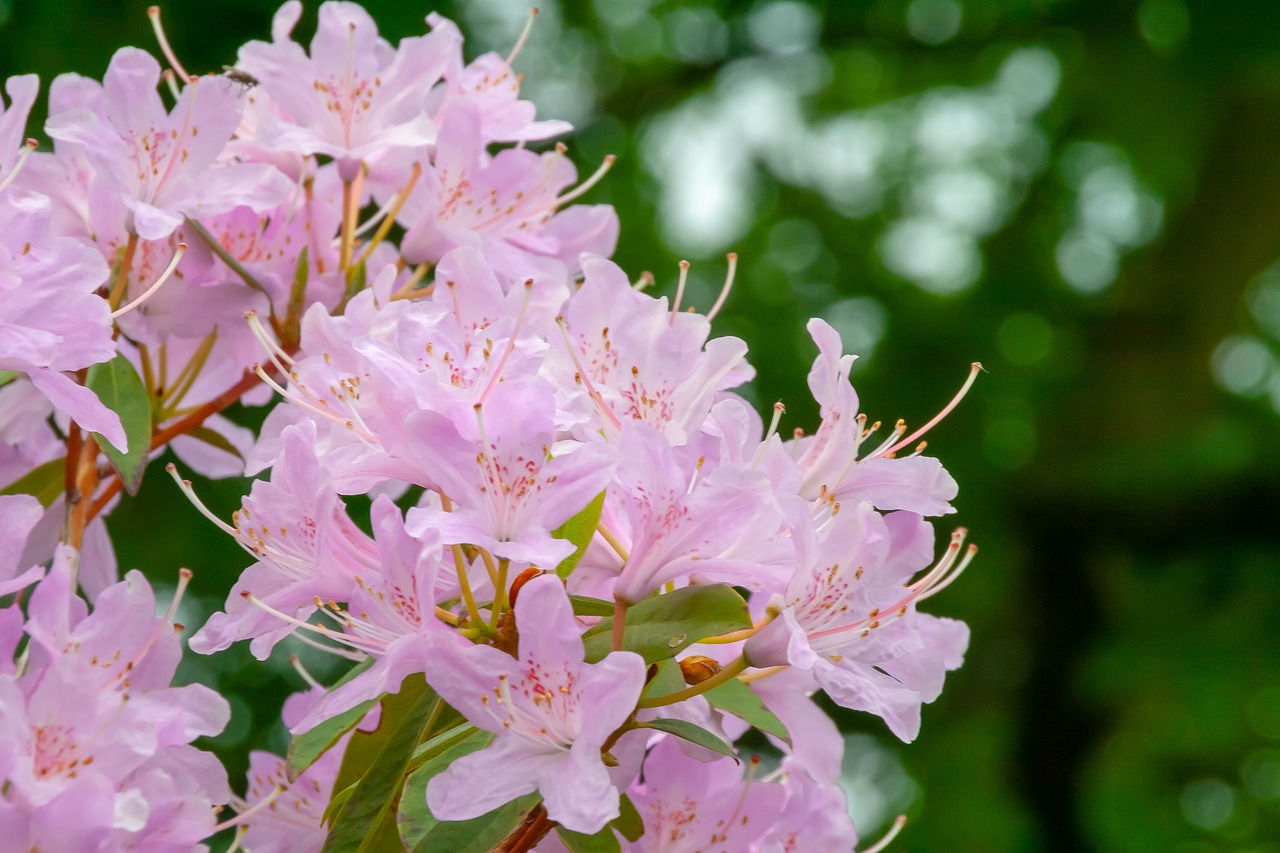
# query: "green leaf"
[446,739]
[579,531]
[478,834]
[297,297]
[7,376]
[335,805]
[309,746]
[584,606]
[668,679]
[215,439]
[44,483]
[603,841]
[739,699]
[660,626]
[358,825]
[691,733]
[121,390]
[415,820]
[305,749]
[629,822]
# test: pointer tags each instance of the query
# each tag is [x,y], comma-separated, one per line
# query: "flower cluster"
[590,565]
[95,746]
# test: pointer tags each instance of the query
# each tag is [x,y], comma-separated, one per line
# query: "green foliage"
[584,606]
[415,820]
[478,834]
[738,699]
[661,626]
[579,530]
[366,821]
[45,483]
[305,749]
[604,841]
[120,389]
[692,733]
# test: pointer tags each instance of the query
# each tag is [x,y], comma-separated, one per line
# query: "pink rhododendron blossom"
[352,96]
[829,459]
[540,445]
[95,744]
[305,544]
[18,515]
[646,360]
[848,618]
[510,486]
[162,163]
[13,119]
[51,319]
[552,713]
[673,522]
[506,206]
[691,806]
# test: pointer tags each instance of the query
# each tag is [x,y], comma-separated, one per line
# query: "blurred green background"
[1081,195]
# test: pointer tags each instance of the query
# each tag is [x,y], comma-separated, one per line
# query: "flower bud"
[698,668]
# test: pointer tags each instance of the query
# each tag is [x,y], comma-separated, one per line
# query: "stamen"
[950,579]
[154,14]
[511,342]
[336,636]
[586,379]
[171,81]
[974,369]
[262,804]
[899,822]
[409,289]
[645,280]
[524,35]
[342,653]
[728,285]
[164,276]
[675,303]
[582,188]
[296,663]
[607,535]
[17,167]
[241,832]
[185,486]
[693,480]
[390,211]
[279,357]
[184,578]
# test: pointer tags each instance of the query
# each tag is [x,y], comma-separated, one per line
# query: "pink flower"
[18,515]
[163,164]
[355,96]
[848,617]
[674,522]
[288,815]
[689,806]
[506,206]
[829,458]
[510,486]
[490,87]
[551,713]
[305,544]
[94,743]
[51,318]
[645,361]
[13,121]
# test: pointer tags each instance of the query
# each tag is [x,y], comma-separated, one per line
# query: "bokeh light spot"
[1208,803]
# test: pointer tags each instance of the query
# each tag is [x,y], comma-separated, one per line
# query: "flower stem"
[121,283]
[728,672]
[619,623]
[224,255]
